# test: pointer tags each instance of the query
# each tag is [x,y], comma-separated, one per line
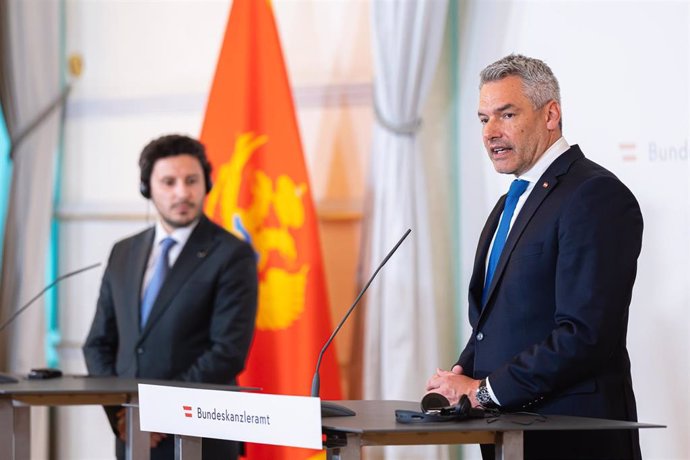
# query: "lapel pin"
[545,185]
[201,254]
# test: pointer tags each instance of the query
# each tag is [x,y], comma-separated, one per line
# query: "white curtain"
[31,90]
[404,342]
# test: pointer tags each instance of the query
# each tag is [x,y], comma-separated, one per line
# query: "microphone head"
[434,401]
[464,405]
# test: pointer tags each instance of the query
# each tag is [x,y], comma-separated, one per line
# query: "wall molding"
[307,96]
[326,210]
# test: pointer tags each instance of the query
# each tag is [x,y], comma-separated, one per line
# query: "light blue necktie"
[160,271]
[517,188]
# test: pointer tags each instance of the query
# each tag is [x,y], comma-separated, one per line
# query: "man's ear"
[552,111]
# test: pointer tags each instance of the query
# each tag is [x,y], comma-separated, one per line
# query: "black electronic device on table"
[436,408]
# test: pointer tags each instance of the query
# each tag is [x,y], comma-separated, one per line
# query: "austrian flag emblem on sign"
[187,411]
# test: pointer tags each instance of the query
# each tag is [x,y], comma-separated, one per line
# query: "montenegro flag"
[261,193]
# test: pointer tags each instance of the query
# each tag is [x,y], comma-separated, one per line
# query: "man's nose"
[182,189]
[491,130]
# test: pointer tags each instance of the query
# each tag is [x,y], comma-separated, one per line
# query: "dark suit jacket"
[552,335]
[201,325]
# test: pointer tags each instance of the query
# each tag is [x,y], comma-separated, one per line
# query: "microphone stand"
[7,378]
[329,409]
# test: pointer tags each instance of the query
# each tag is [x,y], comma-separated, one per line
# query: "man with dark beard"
[178,300]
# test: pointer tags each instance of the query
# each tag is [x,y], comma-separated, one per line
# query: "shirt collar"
[179,234]
[557,149]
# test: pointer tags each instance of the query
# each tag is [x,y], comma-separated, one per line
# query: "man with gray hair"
[553,276]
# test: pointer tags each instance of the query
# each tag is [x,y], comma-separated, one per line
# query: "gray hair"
[538,80]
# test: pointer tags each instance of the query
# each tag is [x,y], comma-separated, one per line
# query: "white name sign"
[253,417]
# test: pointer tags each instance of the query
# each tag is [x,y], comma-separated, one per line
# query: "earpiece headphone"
[145,184]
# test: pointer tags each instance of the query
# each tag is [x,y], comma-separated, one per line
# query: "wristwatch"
[484,397]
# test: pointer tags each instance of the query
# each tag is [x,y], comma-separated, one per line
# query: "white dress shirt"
[180,235]
[532,176]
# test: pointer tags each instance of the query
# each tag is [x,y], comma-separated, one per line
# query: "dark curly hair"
[167,146]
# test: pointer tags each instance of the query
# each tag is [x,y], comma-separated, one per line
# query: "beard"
[176,220]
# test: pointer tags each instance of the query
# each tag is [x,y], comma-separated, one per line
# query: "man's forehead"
[501,95]
[499,108]
[175,166]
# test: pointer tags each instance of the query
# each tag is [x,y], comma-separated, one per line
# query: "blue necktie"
[517,188]
[160,271]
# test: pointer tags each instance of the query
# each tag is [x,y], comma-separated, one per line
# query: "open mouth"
[500,151]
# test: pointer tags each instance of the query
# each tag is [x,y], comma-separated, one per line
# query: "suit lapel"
[134,277]
[543,187]
[479,271]
[199,245]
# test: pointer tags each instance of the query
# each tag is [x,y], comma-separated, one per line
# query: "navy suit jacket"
[201,324]
[552,334]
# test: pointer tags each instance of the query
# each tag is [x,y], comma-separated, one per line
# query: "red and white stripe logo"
[187,411]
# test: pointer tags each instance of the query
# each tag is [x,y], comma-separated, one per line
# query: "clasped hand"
[453,384]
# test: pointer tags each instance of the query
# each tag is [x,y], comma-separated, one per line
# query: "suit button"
[140,351]
[480,336]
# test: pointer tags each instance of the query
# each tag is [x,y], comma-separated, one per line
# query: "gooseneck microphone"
[330,409]
[4,378]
